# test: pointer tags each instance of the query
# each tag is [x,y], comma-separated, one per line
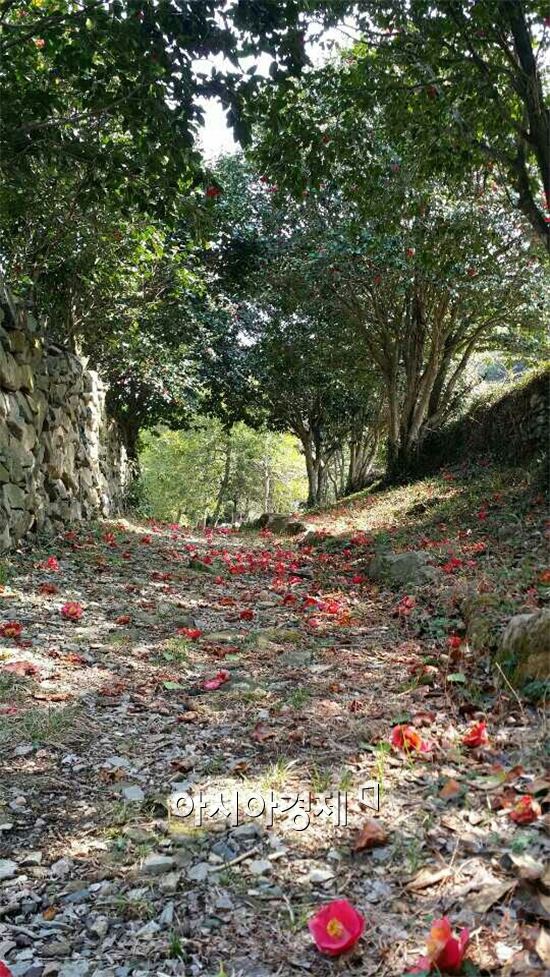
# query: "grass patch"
[39,725]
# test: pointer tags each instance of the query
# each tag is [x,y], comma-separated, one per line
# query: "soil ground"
[106,728]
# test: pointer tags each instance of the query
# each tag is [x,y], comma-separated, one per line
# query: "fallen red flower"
[454,641]
[72,610]
[191,633]
[405,606]
[336,928]
[11,629]
[526,810]
[407,738]
[445,951]
[52,563]
[220,678]
[21,668]
[476,736]
[247,614]
[5,971]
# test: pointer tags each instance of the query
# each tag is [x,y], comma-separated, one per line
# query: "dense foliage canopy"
[388,225]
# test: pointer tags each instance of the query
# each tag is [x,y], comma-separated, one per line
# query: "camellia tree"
[415,300]
[304,386]
[456,89]
[417,272]
[299,377]
[99,172]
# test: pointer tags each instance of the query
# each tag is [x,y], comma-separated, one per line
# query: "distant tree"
[207,472]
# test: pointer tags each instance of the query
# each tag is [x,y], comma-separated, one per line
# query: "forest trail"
[108,718]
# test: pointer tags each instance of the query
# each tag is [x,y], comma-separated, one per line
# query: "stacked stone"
[61,455]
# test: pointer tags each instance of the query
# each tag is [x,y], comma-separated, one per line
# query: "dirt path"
[106,727]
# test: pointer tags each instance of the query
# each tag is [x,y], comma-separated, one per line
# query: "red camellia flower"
[526,810]
[408,738]
[5,971]
[212,192]
[247,614]
[445,951]
[52,563]
[336,928]
[192,633]
[220,678]
[476,736]
[454,641]
[72,610]
[11,629]
[21,668]
[405,606]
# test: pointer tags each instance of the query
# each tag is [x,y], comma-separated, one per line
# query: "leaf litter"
[216,662]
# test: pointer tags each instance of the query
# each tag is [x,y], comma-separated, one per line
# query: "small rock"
[78,897]
[133,793]
[75,968]
[61,868]
[149,930]
[403,569]
[8,869]
[224,851]
[157,865]
[166,917]
[169,883]
[32,858]
[524,649]
[26,969]
[98,926]
[248,830]
[138,835]
[260,866]
[224,901]
[319,875]
[117,763]
[199,872]
[57,948]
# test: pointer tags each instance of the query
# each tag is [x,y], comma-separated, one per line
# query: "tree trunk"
[361,457]
[315,473]
[225,479]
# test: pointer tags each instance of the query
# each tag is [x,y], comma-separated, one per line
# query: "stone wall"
[61,455]
[513,429]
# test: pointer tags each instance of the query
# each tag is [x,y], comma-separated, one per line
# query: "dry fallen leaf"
[427,877]
[50,913]
[542,946]
[370,836]
[525,866]
[261,733]
[451,788]
[482,901]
